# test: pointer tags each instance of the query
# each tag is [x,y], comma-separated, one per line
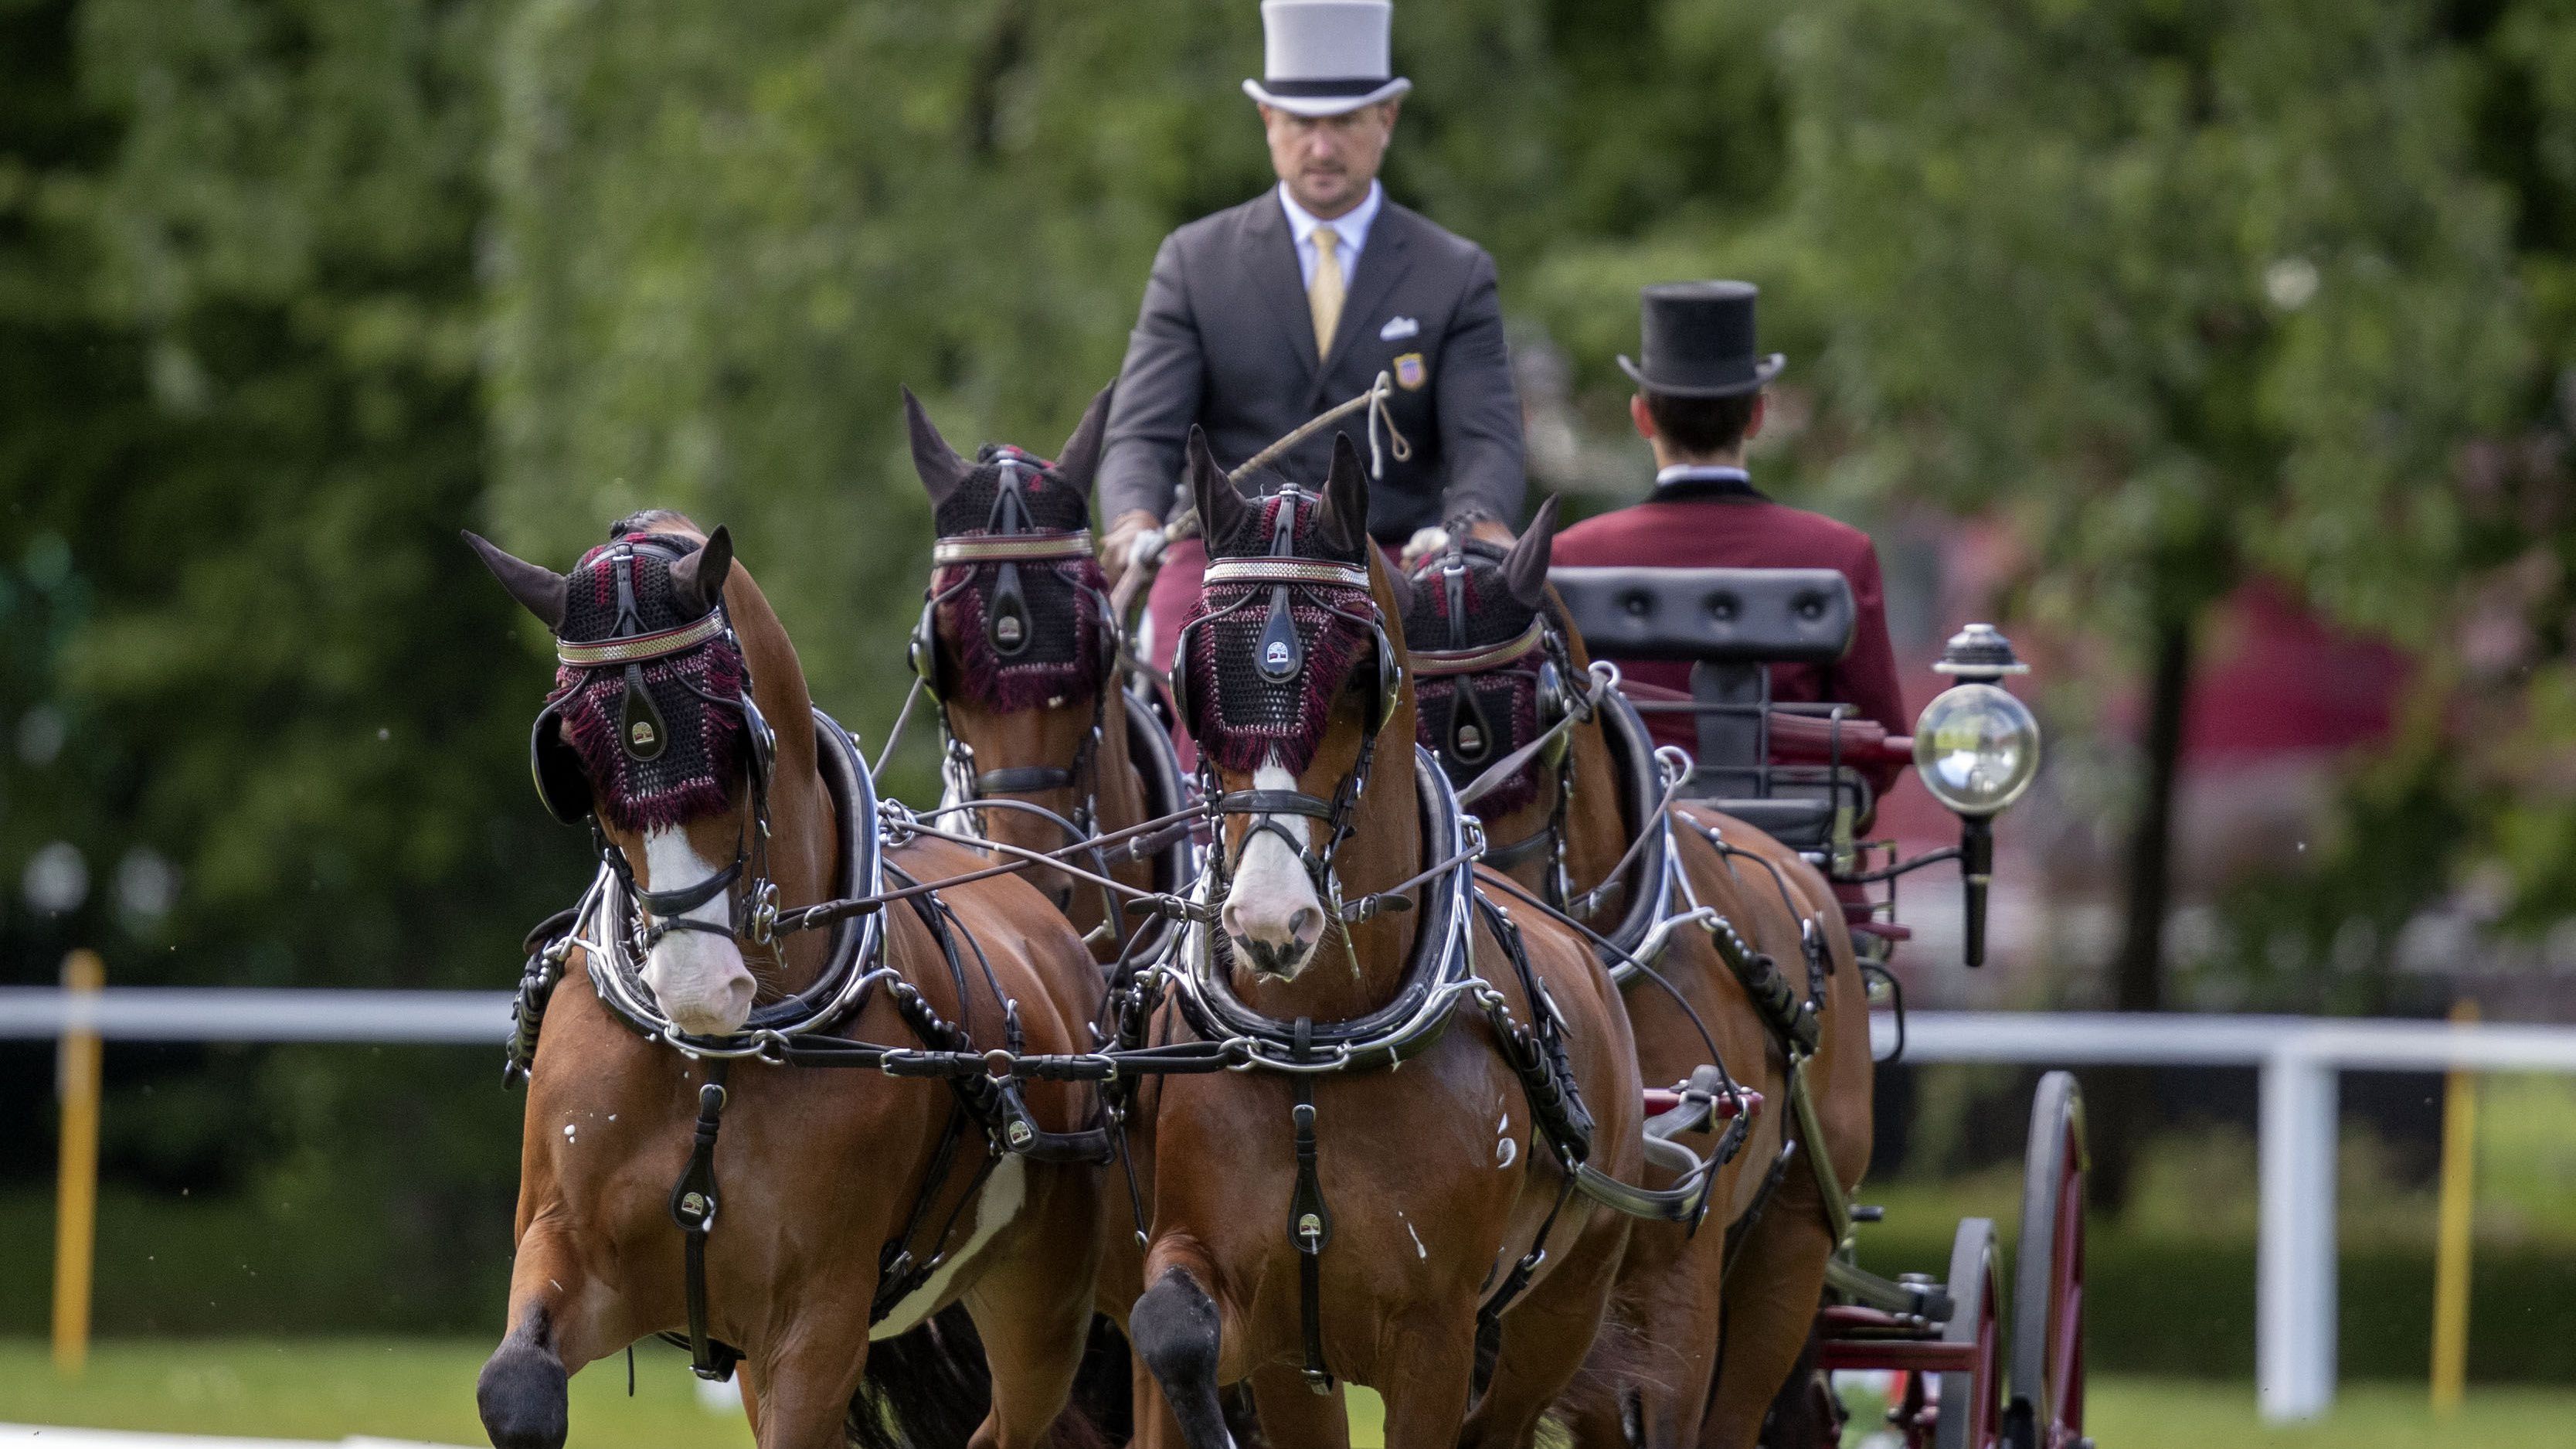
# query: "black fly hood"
[1285,616]
[1486,667]
[1015,591]
[652,705]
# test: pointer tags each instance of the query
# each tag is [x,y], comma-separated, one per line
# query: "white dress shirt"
[1701,473]
[1352,226]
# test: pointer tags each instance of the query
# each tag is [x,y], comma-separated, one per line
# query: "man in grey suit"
[1265,314]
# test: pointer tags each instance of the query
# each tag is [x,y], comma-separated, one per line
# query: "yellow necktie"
[1324,294]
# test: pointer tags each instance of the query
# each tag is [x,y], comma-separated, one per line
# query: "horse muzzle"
[1276,945]
[700,982]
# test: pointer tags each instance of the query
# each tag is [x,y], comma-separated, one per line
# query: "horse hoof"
[1175,1329]
[522,1398]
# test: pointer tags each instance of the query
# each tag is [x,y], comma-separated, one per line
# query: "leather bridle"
[1011,539]
[1280,654]
[1557,702]
[750,915]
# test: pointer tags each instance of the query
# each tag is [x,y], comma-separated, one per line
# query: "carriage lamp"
[1977,749]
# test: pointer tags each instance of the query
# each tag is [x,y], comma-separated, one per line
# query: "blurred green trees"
[2186,292]
[250,678]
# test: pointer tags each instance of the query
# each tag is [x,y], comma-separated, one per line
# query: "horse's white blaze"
[1270,883]
[1005,1193]
[697,976]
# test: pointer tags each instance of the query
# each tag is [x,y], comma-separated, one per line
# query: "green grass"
[423,1389]
[2142,1413]
[332,1388]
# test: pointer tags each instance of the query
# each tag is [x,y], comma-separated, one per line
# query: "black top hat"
[1699,341]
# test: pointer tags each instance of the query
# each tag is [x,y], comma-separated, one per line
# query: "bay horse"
[1502,665]
[1019,646]
[859,1211]
[1020,649]
[1380,1182]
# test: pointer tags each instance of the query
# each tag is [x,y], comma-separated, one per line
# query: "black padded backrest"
[1743,616]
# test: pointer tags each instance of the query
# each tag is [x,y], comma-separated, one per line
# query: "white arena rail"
[242,1014]
[2298,1057]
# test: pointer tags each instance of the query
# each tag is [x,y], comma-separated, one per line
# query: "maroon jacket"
[1721,524]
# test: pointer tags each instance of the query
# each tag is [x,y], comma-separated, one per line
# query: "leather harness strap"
[693,1207]
[1310,1222]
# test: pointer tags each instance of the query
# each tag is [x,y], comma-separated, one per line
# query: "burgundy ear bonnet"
[1481,670]
[656,739]
[1264,661]
[1016,593]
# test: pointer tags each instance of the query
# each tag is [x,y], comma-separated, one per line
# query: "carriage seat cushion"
[1799,823]
[1726,616]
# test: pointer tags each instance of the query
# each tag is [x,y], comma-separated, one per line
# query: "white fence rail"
[2299,1058]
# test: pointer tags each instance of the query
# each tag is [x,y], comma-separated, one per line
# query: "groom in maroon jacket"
[1700,400]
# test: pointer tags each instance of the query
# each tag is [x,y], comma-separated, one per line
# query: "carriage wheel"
[2047,1410]
[1971,1403]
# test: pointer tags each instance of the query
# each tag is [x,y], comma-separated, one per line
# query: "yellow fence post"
[76,1207]
[2451,1253]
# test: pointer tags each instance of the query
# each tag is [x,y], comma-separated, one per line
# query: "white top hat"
[1325,57]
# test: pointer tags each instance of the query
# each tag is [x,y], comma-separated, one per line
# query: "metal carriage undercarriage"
[1970,1367]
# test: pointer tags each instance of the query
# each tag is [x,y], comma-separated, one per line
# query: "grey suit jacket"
[1225,340]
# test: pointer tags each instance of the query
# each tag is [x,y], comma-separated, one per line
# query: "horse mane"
[653,520]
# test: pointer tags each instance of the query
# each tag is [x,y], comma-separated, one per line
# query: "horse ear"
[1525,569]
[1223,513]
[700,578]
[1079,461]
[1344,516]
[540,590]
[940,468]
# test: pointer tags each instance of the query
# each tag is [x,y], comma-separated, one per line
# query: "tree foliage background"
[2185,292]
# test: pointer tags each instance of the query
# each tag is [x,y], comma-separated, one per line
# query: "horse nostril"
[1305,925]
[1232,920]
